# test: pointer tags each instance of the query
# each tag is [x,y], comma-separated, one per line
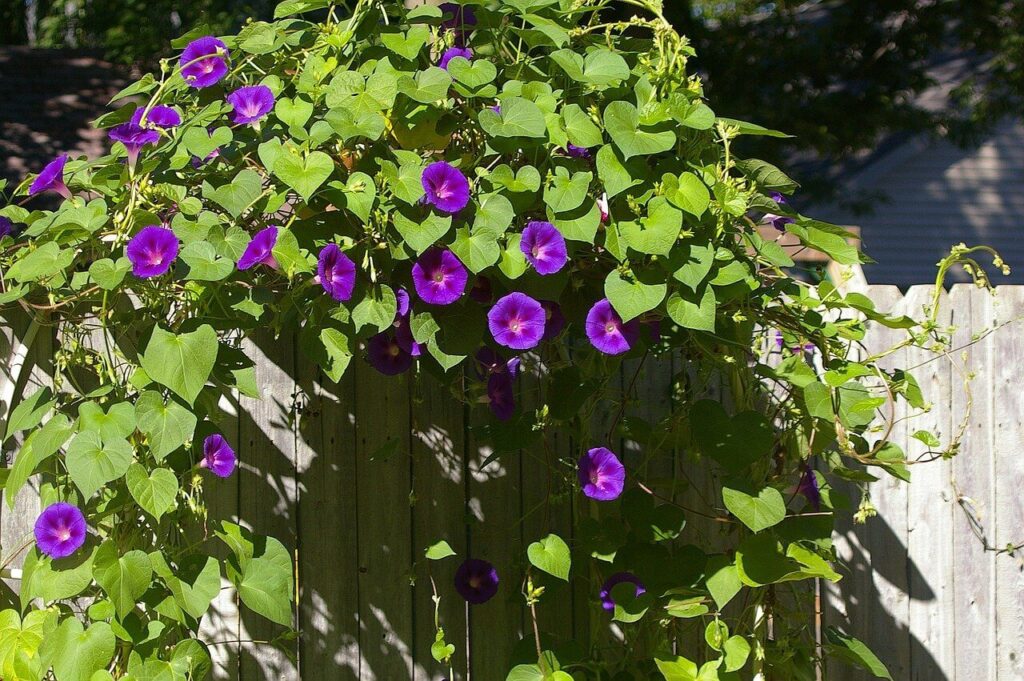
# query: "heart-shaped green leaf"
[567,193]
[693,310]
[304,175]
[519,117]
[622,121]
[293,112]
[108,274]
[687,192]
[195,582]
[181,362]
[167,425]
[758,511]
[155,492]
[200,143]
[77,653]
[734,442]
[238,195]
[580,128]
[92,463]
[427,87]
[118,422]
[123,578]
[204,264]
[631,297]
[421,234]
[551,554]
[377,309]
[657,232]
[477,251]
[473,74]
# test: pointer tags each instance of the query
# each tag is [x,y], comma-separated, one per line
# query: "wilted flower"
[481,290]
[808,487]
[779,222]
[439,277]
[602,204]
[489,362]
[602,476]
[606,331]
[134,138]
[544,247]
[386,355]
[476,581]
[152,251]
[403,324]
[337,272]
[60,530]
[554,320]
[251,103]
[51,178]
[453,52]
[218,456]
[204,61]
[577,152]
[501,396]
[446,187]
[619,578]
[158,117]
[516,321]
[260,250]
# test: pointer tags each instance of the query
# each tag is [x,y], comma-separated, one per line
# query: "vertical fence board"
[1008,434]
[383,487]
[973,569]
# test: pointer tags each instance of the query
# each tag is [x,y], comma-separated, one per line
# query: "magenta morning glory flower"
[386,355]
[158,117]
[501,396]
[204,61]
[152,251]
[250,104]
[337,272]
[606,331]
[601,474]
[476,581]
[496,109]
[60,530]
[134,138]
[51,178]
[544,247]
[808,487]
[453,52]
[577,152]
[439,277]
[218,456]
[446,187]
[481,290]
[6,226]
[554,320]
[516,321]
[260,250]
[619,578]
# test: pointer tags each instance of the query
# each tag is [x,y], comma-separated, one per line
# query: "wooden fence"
[358,478]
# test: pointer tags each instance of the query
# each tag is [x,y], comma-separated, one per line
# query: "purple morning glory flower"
[152,251]
[606,331]
[386,355]
[577,152]
[218,456]
[554,320]
[516,321]
[457,18]
[453,52]
[250,104]
[158,117]
[619,578]
[134,138]
[544,247]
[6,226]
[779,198]
[476,581]
[260,250]
[204,62]
[439,277]
[501,396]
[403,326]
[601,474]
[496,109]
[60,530]
[481,290]
[337,272]
[51,178]
[808,487]
[446,187]
[779,222]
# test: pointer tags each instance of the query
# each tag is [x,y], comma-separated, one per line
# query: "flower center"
[393,350]
[155,257]
[438,277]
[442,190]
[611,327]
[63,533]
[474,582]
[538,252]
[207,65]
[514,325]
[595,477]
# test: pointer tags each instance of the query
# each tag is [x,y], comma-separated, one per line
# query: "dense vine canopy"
[474,192]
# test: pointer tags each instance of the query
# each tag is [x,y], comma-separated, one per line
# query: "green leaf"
[77,653]
[693,310]
[622,121]
[580,128]
[261,570]
[855,652]
[30,411]
[722,580]
[339,355]
[519,117]
[604,67]
[423,233]
[200,143]
[167,425]
[155,492]
[439,550]
[181,362]
[194,584]
[616,175]
[108,274]
[745,128]
[407,45]
[377,309]
[427,87]
[737,650]
[289,7]
[551,554]
[759,512]
[359,192]
[42,263]
[476,251]
[204,264]
[687,192]
[656,233]
[581,224]
[92,463]
[526,179]
[818,398]
[567,193]
[39,446]
[694,263]
[304,175]
[831,240]
[767,176]
[734,442]
[631,297]
[238,195]
[494,215]
[117,423]
[123,578]
[677,669]
[473,74]
[404,181]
